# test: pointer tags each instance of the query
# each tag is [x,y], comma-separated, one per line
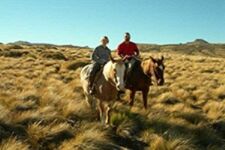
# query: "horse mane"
[137,73]
[107,69]
[147,66]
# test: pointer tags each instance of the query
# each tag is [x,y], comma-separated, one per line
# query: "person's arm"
[102,61]
[136,50]
[119,51]
[94,55]
[110,55]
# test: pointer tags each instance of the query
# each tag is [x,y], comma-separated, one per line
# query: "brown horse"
[139,78]
[110,81]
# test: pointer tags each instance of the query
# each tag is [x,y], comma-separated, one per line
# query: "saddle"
[98,74]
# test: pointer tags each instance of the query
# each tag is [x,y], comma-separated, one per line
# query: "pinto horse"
[109,81]
[139,78]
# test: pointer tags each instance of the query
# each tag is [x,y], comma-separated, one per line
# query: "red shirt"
[127,49]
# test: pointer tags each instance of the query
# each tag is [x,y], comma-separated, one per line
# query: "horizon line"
[73,44]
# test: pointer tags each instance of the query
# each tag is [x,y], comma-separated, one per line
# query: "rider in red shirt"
[127,49]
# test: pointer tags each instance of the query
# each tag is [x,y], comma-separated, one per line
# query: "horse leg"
[93,103]
[101,111]
[132,95]
[108,110]
[145,97]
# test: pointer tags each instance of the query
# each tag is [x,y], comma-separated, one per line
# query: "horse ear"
[162,58]
[152,59]
[112,59]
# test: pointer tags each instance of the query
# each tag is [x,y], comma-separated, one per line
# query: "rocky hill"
[197,47]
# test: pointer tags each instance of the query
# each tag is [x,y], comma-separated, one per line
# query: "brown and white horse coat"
[110,81]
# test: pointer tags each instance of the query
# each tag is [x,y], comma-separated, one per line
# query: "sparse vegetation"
[42,105]
[54,55]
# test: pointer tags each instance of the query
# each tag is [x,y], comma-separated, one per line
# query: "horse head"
[114,71]
[158,69]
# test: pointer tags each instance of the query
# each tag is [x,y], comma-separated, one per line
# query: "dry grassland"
[42,105]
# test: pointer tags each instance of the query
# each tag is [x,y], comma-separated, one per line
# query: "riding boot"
[92,90]
[91,85]
[92,78]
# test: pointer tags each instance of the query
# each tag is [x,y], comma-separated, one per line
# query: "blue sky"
[83,22]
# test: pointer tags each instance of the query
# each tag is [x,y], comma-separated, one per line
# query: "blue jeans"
[94,71]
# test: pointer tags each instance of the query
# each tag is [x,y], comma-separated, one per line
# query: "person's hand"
[129,56]
[122,56]
[125,57]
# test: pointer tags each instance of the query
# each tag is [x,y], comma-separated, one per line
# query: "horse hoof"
[107,126]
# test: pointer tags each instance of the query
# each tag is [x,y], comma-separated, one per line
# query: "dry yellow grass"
[13,144]
[42,105]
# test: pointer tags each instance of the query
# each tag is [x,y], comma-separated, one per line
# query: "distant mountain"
[21,43]
[44,44]
[197,47]
[198,41]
